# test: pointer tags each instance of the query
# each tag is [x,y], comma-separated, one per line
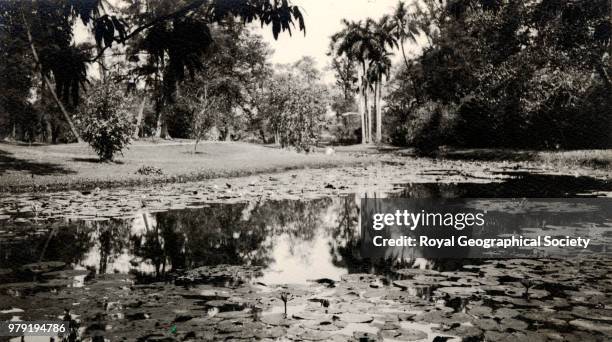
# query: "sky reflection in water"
[294,241]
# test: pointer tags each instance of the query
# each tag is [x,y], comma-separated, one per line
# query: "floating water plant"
[285,296]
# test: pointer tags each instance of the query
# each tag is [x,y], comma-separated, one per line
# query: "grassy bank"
[596,160]
[75,166]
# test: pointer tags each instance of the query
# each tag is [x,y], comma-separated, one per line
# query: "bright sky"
[322,20]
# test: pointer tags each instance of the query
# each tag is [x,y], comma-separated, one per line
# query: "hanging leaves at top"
[184,41]
[279,13]
[109,29]
[68,68]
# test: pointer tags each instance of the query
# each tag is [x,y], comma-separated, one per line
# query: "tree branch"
[192,6]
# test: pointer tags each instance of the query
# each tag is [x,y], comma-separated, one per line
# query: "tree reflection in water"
[315,236]
[237,234]
[294,239]
[67,242]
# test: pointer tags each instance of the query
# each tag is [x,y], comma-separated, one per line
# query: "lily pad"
[314,335]
[584,324]
[403,334]
[456,291]
[43,267]
[355,318]
[277,319]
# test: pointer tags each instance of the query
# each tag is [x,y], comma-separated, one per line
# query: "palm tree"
[357,43]
[407,28]
[378,69]
[380,63]
[404,28]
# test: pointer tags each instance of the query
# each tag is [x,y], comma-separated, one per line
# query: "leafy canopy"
[180,32]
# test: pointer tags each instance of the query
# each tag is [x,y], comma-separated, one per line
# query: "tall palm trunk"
[368,116]
[369,111]
[362,105]
[378,97]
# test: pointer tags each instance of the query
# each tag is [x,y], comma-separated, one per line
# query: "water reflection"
[293,241]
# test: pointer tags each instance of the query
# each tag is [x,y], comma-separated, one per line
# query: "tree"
[343,96]
[380,64]
[233,70]
[105,120]
[345,74]
[173,34]
[406,28]
[512,74]
[47,31]
[295,103]
[16,80]
[378,69]
[201,121]
[176,41]
[356,42]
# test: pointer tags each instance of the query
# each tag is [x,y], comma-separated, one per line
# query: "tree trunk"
[378,97]
[48,129]
[139,117]
[48,83]
[228,135]
[161,127]
[158,125]
[195,145]
[164,130]
[102,65]
[362,116]
[610,48]
[362,105]
[369,111]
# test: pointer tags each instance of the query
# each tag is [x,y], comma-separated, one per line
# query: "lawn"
[75,166]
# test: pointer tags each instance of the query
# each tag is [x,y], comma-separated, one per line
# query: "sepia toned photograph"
[306,170]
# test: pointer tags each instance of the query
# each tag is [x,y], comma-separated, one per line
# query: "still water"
[293,241]
[293,270]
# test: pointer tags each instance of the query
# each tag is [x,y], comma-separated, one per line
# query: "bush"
[431,127]
[147,170]
[106,121]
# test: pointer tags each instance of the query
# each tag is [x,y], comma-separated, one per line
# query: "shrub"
[147,170]
[106,121]
[429,128]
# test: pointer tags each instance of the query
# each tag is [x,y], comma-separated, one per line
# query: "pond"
[214,271]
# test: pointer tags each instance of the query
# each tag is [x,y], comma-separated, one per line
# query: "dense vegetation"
[477,73]
[523,74]
[189,69]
